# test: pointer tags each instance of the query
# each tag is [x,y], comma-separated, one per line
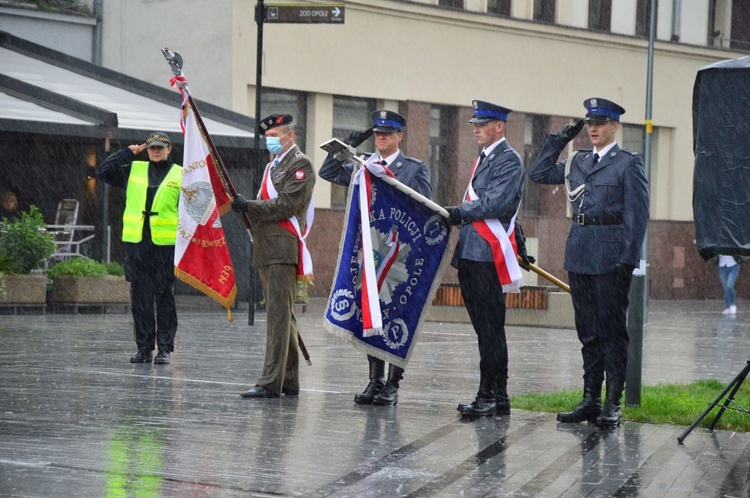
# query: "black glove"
[357,137]
[521,245]
[454,215]
[239,204]
[569,131]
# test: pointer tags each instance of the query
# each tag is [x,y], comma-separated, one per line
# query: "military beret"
[273,121]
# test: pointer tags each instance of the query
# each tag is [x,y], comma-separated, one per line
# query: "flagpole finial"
[174,59]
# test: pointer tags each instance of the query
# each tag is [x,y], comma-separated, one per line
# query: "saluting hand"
[136,149]
[357,137]
[569,131]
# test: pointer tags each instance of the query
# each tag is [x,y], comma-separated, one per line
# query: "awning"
[47,92]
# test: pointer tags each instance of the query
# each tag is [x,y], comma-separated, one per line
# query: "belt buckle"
[581,219]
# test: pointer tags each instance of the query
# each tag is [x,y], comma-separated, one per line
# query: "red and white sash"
[372,319]
[304,260]
[502,243]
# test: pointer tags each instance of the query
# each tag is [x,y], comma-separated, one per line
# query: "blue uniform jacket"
[498,182]
[616,186]
[410,171]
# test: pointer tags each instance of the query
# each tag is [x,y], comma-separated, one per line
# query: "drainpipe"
[676,4]
[97,48]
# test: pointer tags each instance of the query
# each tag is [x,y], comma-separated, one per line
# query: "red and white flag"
[201,256]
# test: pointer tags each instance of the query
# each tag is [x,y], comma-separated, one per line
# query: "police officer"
[494,194]
[285,198]
[149,230]
[388,127]
[608,195]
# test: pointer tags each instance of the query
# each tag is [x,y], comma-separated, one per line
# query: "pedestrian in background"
[729,270]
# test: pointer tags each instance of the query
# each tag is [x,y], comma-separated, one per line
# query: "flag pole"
[174,59]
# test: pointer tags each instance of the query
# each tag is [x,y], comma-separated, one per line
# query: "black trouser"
[151,272]
[601,306]
[485,302]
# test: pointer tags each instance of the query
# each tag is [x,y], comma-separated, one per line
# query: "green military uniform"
[275,253]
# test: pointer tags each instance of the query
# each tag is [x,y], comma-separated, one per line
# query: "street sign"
[305,14]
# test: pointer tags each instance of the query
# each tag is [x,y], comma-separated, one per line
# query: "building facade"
[429,59]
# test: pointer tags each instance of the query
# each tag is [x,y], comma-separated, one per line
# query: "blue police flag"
[393,250]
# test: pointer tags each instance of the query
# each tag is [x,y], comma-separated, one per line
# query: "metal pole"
[638,310]
[260,15]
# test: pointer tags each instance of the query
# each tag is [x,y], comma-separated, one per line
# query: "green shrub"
[25,243]
[78,267]
[115,269]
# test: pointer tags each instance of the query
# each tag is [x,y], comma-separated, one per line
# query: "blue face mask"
[274,144]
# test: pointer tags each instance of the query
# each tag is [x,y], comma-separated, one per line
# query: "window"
[544,10]
[535,131]
[499,7]
[440,120]
[274,101]
[350,114]
[455,4]
[740,38]
[600,15]
[643,17]
[633,138]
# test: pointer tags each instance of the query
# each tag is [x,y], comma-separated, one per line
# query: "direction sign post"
[305,14]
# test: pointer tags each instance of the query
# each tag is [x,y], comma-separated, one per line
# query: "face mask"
[274,144]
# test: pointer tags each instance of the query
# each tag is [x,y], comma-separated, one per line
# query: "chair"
[65,221]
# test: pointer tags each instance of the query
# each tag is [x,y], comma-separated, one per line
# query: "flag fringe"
[226,302]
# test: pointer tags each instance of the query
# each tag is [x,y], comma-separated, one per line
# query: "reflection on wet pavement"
[79,420]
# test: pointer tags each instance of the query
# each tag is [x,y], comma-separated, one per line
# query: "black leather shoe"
[479,408]
[141,357]
[387,396]
[289,392]
[259,392]
[373,388]
[162,358]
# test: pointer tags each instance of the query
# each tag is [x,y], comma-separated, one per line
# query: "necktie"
[596,158]
[481,157]
[383,162]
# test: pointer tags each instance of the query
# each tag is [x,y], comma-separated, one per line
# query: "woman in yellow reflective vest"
[149,228]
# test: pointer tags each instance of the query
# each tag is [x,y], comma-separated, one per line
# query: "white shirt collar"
[488,150]
[375,158]
[603,152]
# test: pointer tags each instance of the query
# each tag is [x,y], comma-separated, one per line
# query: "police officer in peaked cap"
[493,195]
[388,128]
[608,196]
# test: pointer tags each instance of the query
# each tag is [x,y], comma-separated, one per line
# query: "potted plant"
[82,281]
[25,245]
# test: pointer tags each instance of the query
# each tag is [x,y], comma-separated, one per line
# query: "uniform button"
[588,179]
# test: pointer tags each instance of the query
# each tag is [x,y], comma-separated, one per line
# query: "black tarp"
[721,142]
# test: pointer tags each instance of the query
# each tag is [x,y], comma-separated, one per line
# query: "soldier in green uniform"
[279,217]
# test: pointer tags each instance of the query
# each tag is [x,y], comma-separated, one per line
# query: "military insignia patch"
[299,174]
[594,103]
[383,114]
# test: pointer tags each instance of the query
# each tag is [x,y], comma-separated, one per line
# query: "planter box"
[24,290]
[90,290]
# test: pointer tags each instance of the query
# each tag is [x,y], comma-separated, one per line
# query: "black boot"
[484,404]
[389,394]
[502,402]
[377,372]
[588,409]
[611,415]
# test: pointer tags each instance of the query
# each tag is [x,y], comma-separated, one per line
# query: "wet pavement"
[78,419]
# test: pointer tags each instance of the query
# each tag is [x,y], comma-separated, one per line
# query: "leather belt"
[582,219]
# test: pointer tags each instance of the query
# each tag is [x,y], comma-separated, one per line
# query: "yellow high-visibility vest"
[164,224]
